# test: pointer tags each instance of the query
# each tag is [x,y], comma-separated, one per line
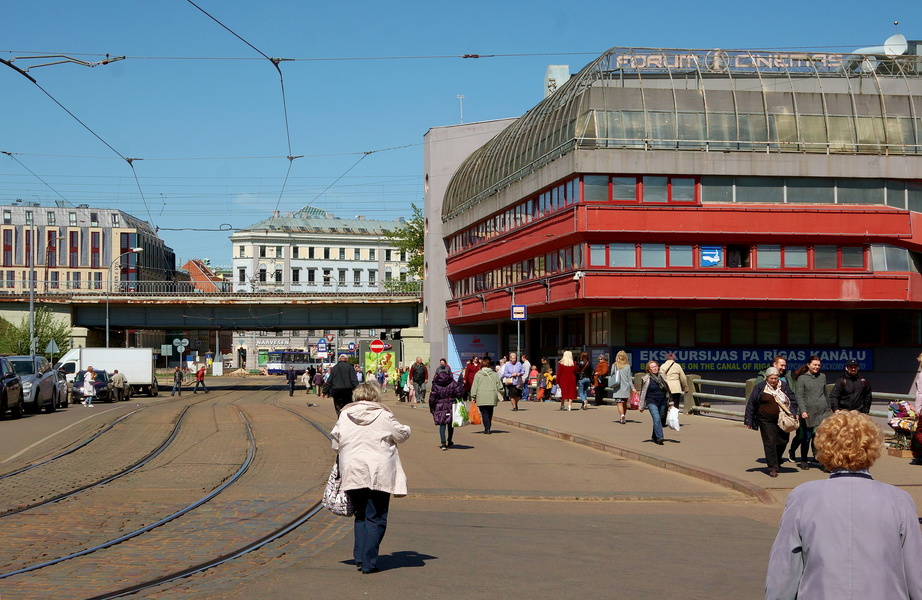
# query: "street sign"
[519,312]
[351,346]
[322,348]
[52,348]
[331,337]
[377,346]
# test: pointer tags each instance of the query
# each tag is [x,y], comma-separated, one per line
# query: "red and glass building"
[725,205]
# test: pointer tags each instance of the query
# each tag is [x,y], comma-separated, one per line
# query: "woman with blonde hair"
[566,380]
[847,536]
[621,382]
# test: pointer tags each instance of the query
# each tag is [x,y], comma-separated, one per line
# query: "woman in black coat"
[762,412]
[445,391]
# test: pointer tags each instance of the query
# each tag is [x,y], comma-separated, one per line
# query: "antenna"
[461,106]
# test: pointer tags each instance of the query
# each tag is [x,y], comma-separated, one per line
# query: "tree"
[14,339]
[410,238]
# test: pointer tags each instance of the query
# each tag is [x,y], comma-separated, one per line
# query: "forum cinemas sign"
[721,61]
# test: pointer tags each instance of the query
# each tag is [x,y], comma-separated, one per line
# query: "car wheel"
[53,405]
[17,411]
[34,408]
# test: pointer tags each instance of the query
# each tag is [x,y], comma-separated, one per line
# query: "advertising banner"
[752,359]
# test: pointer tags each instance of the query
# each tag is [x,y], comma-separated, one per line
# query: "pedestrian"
[341,382]
[566,380]
[533,383]
[600,380]
[916,389]
[404,385]
[486,391]
[513,377]
[89,387]
[545,382]
[442,368]
[379,377]
[622,383]
[781,364]
[366,436]
[851,392]
[813,401]
[655,395]
[200,379]
[318,383]
[307,381]
[583,377]
[674,377]
[177,382]
[847,536]
[445,392]
[359,376]
[526,365]
[762,410]
[470,370]
[118,382]
[419,375]
[291,377]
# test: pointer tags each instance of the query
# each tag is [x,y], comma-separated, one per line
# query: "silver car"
[38,382]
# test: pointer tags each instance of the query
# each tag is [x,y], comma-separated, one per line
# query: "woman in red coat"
[566,380]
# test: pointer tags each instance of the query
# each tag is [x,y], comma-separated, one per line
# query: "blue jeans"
[451,432]
[370,524]
[177,388]
[656,413]
[584,388]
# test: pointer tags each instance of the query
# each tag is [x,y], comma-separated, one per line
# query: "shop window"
[866,328]
[708,328]
[825,328]
[595,188]
[742,328]
[622,255]
[768,328]
[900,327]
[653,256]
[768,256]
[681,256]
[638,327]
[795,257]
[825,257]
[655,189]
[798,328]
[665,328]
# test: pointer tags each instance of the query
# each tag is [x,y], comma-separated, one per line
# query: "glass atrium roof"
[709,100]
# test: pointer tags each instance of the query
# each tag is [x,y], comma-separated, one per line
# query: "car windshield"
[100,376]
[23,366]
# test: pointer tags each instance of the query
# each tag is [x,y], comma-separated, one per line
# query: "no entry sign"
[377,346]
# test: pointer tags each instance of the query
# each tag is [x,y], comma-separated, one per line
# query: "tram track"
[265,538]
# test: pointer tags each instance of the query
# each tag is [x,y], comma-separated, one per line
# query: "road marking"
[48,437]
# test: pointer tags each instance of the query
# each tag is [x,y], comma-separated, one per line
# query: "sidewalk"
[719,451]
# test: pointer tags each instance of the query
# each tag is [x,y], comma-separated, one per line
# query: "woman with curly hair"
[848,536]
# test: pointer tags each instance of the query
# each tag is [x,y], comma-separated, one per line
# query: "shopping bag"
[459,416]
[634,404]
[334,498]
[672,418]
[474,414]
[555,391]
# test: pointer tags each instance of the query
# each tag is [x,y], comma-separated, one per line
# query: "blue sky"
[211,132]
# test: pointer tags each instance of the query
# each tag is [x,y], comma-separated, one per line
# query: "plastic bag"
[459,416]
[474,414]
[672,418]
[555,391]
[634,404]
[334,498]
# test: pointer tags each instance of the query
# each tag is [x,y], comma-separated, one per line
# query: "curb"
[727,481]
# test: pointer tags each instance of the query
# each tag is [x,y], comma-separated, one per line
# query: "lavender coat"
[445,390]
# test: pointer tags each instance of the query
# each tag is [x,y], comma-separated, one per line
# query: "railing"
[698,396]
[21,289]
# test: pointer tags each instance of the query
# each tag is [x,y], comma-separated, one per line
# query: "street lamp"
[109,284]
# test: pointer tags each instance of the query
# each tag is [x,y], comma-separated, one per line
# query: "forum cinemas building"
[725,205]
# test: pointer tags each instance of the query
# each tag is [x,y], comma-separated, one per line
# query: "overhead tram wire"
[275,62]
[34,174]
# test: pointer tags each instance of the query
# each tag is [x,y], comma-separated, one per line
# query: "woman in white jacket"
[366,437]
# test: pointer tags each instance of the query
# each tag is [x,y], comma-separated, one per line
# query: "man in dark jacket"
[851,392]
[292,378]
[419,375]
[341,382]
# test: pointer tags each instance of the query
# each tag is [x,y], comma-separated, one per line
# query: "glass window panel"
[597,254]
[769,256]
[795,257]
[860,191]
[578,256]
[914,196]
[798,329]
[654,189]
[683,190]
[768,327]
[852,257]
[708,328]
[717,189]
[811,191]
[624,188]
[742,327]
[825,257]
[681,256]
[638,327]
[760,189]
[841,134]
[878,258]
[665,328]
[653,255]
[896,194]
[595,188]
[899,327]
[622,255]
[825,328]
[897,258]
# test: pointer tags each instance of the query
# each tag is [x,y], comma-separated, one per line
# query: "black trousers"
[341,397]
[486,416]
[774,441]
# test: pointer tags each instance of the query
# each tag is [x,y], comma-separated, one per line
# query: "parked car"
[103,393]
[60,389]
[37,378]
[10,390]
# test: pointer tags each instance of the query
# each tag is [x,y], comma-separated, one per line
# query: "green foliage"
[14,339]
[410,239]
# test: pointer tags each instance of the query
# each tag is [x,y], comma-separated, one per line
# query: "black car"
[103,393]
[10,390]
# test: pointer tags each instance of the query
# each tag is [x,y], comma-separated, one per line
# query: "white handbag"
[334,498]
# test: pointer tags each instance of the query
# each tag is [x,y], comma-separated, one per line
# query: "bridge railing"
[21,289]
[703,402]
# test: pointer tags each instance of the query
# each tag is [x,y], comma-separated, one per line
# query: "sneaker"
[791,456]
[444,447]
